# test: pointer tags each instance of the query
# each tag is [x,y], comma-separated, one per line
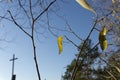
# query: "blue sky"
[51,64]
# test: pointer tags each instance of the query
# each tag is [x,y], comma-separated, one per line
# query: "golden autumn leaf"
[85,5]
[59,41]
[102,39]
[113,1]
[104,31]
[117,17]
[103,44]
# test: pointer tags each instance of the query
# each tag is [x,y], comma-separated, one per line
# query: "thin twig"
[31,12]
[44,10]
[78,66]
[74,71]
[18,24]
[3,17]
[105,16]
[49,27]
[71,42]
[73,32]
[109,65]
[19,1]
[111,75]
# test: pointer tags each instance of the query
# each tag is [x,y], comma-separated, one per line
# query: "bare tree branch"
[31,12]
[111,75]
[75,68]
[73,32]
[79,66]
[49,27]
[33,41]
[71,42]
[44,10]
[18,24]
[19,1]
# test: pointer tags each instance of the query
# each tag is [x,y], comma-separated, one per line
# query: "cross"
[13,59]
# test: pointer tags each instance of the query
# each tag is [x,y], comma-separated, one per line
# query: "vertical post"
[13,59]
[14,77]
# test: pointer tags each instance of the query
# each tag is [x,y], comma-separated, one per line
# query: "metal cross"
[13,59]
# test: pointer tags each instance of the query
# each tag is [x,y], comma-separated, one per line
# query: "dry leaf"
[85,5]
[102,39]
[59,41]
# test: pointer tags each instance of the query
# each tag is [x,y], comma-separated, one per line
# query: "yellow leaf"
[103,32]
[117,17]
[85,5]
[104,45]
[59,41]
[102,39]
[113,1]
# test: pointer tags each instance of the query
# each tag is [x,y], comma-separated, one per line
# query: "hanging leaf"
[85,5]
[117,17]
[113,1]
[59,41]
[103,44]
[102,39]
[104,31]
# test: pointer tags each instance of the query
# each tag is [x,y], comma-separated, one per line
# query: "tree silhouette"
[85,63]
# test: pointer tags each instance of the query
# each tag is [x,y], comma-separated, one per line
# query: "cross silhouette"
[13,59]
